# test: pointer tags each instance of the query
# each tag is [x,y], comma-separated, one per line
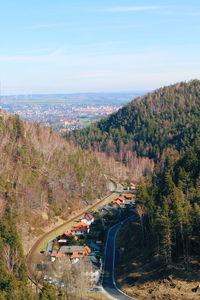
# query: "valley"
[100,150]
[49,269]
[51,185]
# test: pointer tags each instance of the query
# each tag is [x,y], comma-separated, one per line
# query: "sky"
[67,46]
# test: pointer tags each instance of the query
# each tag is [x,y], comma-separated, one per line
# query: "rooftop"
[71,249]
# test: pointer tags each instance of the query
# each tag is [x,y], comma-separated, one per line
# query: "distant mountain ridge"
[74,98]
[166,118]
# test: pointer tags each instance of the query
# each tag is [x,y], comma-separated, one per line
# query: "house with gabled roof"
[88,219]
[128,196]
[133,185]
[80,228]
[129,199]
[118,201]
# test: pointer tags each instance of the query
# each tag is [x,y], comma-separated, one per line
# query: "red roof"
[128,196]
[119,198]
[77,254]
[89,217]
[80,226]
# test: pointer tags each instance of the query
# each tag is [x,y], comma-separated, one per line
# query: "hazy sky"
[109,45]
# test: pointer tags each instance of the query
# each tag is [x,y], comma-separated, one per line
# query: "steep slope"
[149,125]
[161,258]
[161,249]
[41,176]
[42,173]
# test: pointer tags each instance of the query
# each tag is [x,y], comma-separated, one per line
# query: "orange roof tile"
[80,226]
[87,250]
[128,196]
[119,198]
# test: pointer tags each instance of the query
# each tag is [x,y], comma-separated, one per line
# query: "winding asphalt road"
[108,283]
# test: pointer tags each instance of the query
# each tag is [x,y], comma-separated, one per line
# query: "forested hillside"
[170,206]
[164,241]
[149,125]
[161,256]
[41,176]
[42,171]
[163,126]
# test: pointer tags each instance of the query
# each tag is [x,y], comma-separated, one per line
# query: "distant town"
[66,112]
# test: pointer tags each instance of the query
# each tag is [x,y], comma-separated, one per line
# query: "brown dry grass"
[145,278]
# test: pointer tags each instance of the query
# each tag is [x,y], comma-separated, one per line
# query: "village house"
[133,185]
[80,254]
[66,250]
[121,201]
[74,252]
[80,228]
[88,219]
[118,201]
[129,199]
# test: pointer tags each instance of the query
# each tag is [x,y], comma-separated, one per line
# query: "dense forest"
[161,247]
[13,277]
[168,118]
[169,207]
[14,283]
